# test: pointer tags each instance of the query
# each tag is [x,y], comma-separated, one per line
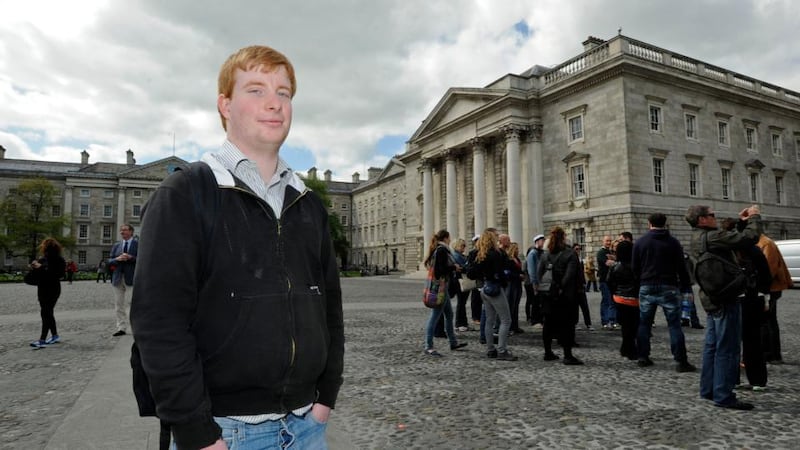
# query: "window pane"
[658,174]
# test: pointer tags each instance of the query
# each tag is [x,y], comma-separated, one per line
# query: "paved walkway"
[78,396]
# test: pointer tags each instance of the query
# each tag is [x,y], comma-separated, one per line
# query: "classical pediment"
[458,104]
[156,170]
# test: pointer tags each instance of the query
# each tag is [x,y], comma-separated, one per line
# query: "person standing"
[658,264]
[491,264]
[237,311]
[50,270]
[534,311]
[781,280]
[444,266]
[460,259]
[722,346]
[559,302]
[624,288]
[605,259]
[122,262]
[590,271]
[71,269]
[101,270]
[583,302]
[515,279]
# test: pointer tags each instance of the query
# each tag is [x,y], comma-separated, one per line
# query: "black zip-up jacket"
[235,312]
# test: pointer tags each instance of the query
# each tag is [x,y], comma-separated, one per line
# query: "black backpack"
[721,279]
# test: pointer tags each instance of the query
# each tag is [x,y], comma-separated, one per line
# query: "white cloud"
[108,76]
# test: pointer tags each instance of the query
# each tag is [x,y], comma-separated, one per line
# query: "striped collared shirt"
[246,170]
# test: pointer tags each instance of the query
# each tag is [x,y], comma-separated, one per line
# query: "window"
[779,190]
[722,133]
[579,238]
[84,210]
[108,210]
[85,192]
[55,211]
[344,220]
[575,129]
[658,175]
[81,256]
[777,144]
[656,120]
[137,193]
[83,231]
[726,183]
[107,233]
[751,136]
[108,193]
[344,205]
[136,211]
[754,181]
[578,182]
[694,179]
[691,126]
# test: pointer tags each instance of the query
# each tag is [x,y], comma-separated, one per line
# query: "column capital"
[451,154]
[478,143]
[535,132]
[513,131]
[426,164]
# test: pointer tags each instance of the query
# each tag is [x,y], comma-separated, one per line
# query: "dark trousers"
[476,305]
[770,331]
[47,306]
[752,354]
[591,283]
[559,323]
[583,303]
[514,297]
[101,275]
[535,301]
[628,318]
[461,309]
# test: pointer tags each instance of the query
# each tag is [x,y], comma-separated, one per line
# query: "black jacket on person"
[622,281]
[51,271]
[235,312]
[565,273]
[658,260]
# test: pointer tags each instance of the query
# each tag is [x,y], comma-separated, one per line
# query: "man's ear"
[223,106]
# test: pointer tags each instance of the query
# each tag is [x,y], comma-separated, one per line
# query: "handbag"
[466,284]
[491,288]
[31,278]
[435,290]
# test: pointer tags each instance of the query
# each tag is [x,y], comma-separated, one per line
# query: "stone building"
[99,197]
[599,142]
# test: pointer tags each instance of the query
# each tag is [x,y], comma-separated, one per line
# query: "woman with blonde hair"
[444,266]
[50,269]
[491,265]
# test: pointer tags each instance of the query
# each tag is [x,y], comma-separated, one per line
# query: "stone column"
[512,135]
[67,209]
[120,211]
[451,192]
[537,179]
[479,183]
[427,200]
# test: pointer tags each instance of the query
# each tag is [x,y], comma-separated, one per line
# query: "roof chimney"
[84,158]
[356,177]
[592,42]
[2,152]
[312,173]
[131,160]
[373,172]
[328,175]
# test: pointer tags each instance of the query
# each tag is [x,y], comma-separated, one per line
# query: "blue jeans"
[496,307]
[291,432]
[447,310]
[721,354]
[608,310]
[669,298]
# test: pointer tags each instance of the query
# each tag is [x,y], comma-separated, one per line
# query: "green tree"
[340,243]
[27,215]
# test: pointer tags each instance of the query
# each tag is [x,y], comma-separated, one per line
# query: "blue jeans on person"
[721,352]
[291,432]
[608,310]
[447,310]
[669,298]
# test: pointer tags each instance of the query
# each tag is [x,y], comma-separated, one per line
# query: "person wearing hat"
[533,306]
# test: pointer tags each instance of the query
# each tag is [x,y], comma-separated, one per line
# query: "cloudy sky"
[107,76]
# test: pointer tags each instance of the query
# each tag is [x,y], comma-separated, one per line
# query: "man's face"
[539,243]
[504,240]
[259,111]
[125,232]
[709,220]
[607,242]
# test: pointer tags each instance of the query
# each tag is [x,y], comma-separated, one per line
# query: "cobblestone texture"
[394,397]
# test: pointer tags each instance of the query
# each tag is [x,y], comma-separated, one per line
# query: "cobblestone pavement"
[394,397]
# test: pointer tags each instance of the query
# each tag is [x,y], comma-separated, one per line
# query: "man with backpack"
[721,351]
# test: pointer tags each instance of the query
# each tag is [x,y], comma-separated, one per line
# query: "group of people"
[635,278]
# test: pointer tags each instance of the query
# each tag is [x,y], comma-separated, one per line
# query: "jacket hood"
[659,233]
